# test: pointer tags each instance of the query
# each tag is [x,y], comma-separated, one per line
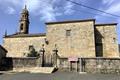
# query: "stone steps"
[42,70]
[35,69]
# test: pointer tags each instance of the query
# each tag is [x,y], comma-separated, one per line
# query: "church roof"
[70,21]
[104,24]
[25,35]
[83,20]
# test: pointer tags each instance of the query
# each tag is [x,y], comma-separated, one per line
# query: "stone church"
[76,38]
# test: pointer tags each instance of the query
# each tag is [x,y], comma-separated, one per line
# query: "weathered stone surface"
[17,47]
[108,37]
[102,65]
[93,65]
[20,62]
[80,43]
[81,40]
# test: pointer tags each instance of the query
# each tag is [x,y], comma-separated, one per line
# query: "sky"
[42,11]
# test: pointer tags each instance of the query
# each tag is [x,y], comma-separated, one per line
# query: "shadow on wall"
[7,64]
[98,43]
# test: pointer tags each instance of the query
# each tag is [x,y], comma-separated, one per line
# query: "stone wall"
[84,39]
[79,42]
[19,46]
[102,65]
[63,64]
[106,37]
[92,65]
[20,62]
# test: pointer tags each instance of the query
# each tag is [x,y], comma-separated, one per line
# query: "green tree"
[32,52]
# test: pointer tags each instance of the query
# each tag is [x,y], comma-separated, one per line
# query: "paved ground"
[58,76]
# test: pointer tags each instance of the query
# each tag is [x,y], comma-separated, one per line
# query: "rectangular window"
[68,32]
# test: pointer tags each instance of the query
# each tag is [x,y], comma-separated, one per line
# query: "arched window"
[21,27]
[23,16]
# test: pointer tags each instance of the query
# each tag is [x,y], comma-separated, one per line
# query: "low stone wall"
[89,65]
[92,65]
[63,64]
[101,65]
[20,62]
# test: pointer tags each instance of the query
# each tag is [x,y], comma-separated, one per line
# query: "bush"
[32,53]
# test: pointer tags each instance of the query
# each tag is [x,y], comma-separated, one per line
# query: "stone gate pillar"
[55,56]
[42,53]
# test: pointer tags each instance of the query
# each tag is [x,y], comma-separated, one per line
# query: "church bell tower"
[24,21]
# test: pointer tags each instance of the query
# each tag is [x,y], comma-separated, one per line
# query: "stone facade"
[80,42]
[91,65]
[19,46]
[84,39]
[20,62]
[78,38]
[106,38]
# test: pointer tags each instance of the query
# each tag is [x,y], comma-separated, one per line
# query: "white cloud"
[113,8]
[33,5]
[68,8]
[48,14]
[10,10]
[47,10]
[42,8]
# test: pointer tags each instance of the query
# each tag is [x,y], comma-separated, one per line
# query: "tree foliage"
[32,52]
